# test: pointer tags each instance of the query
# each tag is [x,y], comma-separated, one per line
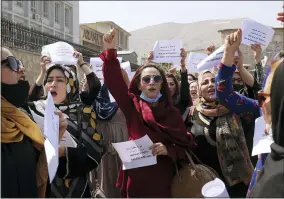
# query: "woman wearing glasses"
[148,109]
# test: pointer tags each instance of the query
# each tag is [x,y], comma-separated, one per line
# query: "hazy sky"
[133,15]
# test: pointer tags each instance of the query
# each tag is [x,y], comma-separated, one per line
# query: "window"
[19,3]
[67,17]
[45,9]
[56,11]
[33,6]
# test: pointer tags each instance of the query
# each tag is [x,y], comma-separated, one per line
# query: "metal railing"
[19,37]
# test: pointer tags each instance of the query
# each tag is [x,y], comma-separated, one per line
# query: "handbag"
[190,179]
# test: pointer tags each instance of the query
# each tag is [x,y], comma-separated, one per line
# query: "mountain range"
[195,36]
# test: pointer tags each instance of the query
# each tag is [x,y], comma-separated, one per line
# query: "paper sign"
[51,132]
[126,66]
[256,33]
[212,60]
[135,153]
[97,66]
[193,60]
[215,189]
[66,140]
[167,51]
[60,53]
[261,141]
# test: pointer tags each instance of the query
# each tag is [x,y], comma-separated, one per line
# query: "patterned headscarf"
[81,118]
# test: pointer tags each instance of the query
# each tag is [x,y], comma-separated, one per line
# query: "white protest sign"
[167,51]
[97,65]
[256,33]
[126,66]
[67,140]
[261,140]
[135,153]
[51,132]
[60,53]
[193,60]
[212,60]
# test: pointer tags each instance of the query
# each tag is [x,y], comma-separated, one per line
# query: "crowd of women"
[212,116]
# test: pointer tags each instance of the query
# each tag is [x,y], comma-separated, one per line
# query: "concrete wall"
[31,63]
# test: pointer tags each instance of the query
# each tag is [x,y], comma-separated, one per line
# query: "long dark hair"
[175,96]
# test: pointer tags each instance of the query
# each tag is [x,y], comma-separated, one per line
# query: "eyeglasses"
[13,63]
[261,97]
[157,79]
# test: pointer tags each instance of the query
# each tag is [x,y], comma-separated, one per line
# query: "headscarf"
[277,105]
[81,119]
[159,123]
[230,142]
[104,108]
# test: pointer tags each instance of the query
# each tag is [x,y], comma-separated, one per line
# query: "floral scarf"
[231,145]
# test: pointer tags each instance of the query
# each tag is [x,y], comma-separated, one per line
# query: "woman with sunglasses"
[23,161]
[148,109]
[179,92]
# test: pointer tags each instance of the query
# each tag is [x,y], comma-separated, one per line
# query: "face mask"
[150,100]
[238,87]
[16,94]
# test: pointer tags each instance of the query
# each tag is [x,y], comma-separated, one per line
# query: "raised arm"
[236,102]
[113,76]
[185,98]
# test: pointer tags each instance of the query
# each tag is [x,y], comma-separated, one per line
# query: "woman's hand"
[256,48]
[281,16]
[110,40]
[80,57]
[183,55]
[210,49]
[159,149]
[44,60]
[239,60]
[150,56]
[232,44]
[62,124]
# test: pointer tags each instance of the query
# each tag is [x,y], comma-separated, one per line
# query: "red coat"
[162,124]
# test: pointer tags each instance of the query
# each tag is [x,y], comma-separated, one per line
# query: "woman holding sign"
[83,152]
[148,109]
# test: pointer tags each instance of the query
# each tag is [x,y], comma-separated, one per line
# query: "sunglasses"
[261,97]
[157,79]
[13,63]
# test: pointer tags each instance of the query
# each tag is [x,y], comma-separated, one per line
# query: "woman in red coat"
[148,109]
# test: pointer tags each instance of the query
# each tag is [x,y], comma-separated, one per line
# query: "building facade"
[58,18]
[105,26]
[91,38]
[130,56]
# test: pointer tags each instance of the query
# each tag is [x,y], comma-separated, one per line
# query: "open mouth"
[211,91]
[193,92]
[152,89]
[53,93]
[22,78]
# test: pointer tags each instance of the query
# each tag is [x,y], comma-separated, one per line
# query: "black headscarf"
[104,108]
[277,105]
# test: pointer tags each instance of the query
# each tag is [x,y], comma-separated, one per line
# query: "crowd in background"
[212,115]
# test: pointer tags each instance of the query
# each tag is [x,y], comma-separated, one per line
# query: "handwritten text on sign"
[135,153]
[167,51]
[193,60]
[97,64]
[256,33]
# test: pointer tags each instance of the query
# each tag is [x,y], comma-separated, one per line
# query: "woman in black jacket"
[270,182]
